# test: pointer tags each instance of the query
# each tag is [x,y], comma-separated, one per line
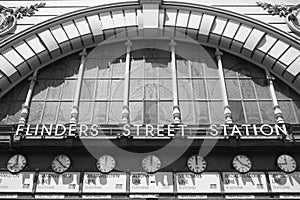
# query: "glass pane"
[56,70]
[137,69]
[287,111]
[257,72]
[187,112]
[50,112]
[297,109]
[94,66]
[197,69]
[266,109]
[14,112]
[164,68]
[115,110]
[183,70]
[20,91]
[262,89]
[151,90]
[85,110]
[118,70]
[237,111]
[136,89]
[233,90]
[40,90]
[100,113]
[150,112]
[165,112]
[201,112]
[252,112]
[282,90]
[216,112]
[88,89]
[117,89]
[165,89]
[35,114]
[72,67]
[184,89]
[136,112]
[199,89]
[150,70]
[210,70]
[102,89]
[54,89]
[68,90]
[64,113]
[243,69]
[214,89]
[247,89]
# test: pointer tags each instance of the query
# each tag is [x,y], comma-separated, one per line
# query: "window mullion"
[75,107]
[25,107]
[227,110]
[125,109]
[176,110]
[276,107]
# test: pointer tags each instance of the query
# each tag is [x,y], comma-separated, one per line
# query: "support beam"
[125,110]
[26,105]
[176,110]
[75,107]
[276,107]
[227,110]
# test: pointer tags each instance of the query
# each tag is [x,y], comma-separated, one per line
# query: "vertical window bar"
[176,111]
[75,107]
[125,109]
[227,110]
[276,107]
[25,107]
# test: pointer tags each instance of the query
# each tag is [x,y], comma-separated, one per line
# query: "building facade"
[150,99]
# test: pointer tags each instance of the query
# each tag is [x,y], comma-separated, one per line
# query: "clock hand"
[61,163]
[196,160]
[242,163]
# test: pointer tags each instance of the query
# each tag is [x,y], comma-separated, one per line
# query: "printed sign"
[104,183]
[281,182]
[254,182]
[50,182]
[21,182]
[161,182]
[198,183]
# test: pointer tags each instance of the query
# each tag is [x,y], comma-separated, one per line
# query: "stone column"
[276,107]
[227,110]
[125,110]
[176,110]
[25,107]
[75,107]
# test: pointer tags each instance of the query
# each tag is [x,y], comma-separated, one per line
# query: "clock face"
[151,164]
[61,163]
[286,163]
[106,163]
[16,163]
[242,163]
[196,164]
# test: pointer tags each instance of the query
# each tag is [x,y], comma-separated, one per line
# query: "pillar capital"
[172,45]
[83,53]
[218,53]
[128,45]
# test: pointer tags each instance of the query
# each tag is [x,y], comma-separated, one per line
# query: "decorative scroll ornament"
[9,17]
[291,14]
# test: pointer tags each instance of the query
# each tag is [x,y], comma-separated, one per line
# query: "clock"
[286,163]
[106,163]
[61,163]
[151,164]
[242,163]
[196,164]
[16,163]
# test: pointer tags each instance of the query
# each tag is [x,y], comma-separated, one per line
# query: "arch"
[47,42]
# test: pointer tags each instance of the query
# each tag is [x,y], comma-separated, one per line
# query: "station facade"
[150,100]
